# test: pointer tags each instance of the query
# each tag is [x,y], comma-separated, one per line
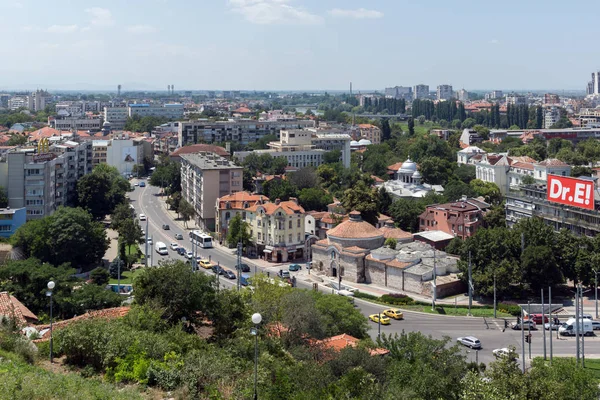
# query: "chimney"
[295,200]
[277,201]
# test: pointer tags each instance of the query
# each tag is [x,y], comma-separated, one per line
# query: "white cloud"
[494,41]
[62,28]
[269,12]
[359,13]
[100,16]
[141,29]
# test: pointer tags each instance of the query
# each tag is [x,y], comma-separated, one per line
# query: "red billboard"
[571,191]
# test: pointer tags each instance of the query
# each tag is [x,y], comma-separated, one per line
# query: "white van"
[569,329]
[161,248]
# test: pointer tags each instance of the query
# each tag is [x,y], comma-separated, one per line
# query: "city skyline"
[296,45]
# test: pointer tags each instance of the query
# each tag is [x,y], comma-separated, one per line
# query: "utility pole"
[522,339]
[582,327]
[596,290]
[544,328]
[494,292]
[146,251]
[529,325]
[239,265]
[470,286]
[577,322]
[551,321]
[151,253]
[434,293]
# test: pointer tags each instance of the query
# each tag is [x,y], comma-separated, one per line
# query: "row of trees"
[384,105]
[443,110]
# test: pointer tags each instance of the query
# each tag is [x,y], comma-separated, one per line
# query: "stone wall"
[445,289]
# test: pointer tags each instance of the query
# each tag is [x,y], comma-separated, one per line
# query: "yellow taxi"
[380,319]
[205,264]
[393,313]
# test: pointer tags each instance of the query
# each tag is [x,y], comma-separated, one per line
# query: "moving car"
[380,319]
[142,184]
[189,255]
[227,273]
[596,325]
[217,269]
[393,313]
[245,267]
[537,318]
[526,325]
[178,236]
[469,341]
[569,328]
[161,248]
[283,274]
[166,227]
[142,217]
[504,352]
[181,251]
[150,241]
[295,267]
[205,264]
[174,246]
[244,280]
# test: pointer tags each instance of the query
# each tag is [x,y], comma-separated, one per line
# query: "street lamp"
[256,320]
[596,290]
[51,286]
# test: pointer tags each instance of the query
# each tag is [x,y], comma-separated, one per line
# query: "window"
[244,215]
[227,215]
[290,224]
[298,237]
[290,238]
[259,222]
[298,222]
[5,228]
[259,236]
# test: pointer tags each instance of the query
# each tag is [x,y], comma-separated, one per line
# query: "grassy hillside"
[20,380]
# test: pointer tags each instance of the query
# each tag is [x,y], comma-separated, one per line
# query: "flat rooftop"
[206,160]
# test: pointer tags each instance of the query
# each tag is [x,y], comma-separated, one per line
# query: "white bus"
[201,239]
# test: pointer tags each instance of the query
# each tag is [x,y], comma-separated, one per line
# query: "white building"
[16,102]
[463,95]
[399,92]
[516,100]
[551,116]
[168,111]
[444,92]
[37,100]
[116,116]
[469,155]
[420,92]
[75,123]
[408,183]
[494,95]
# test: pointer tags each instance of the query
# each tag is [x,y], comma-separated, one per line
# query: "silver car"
[469,341]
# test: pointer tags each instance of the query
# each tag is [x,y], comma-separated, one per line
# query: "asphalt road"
[489,331]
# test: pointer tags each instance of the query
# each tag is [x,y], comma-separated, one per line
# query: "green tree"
[540,268]
[363,199]
[121,213]
[391,243]
[70,235]
[278,166]
[130,234]
[281,189]
[489,190]
[87,298]
[167,175]
[304,178]
[101,191]
[186,211]
[174,200]
[495,217]
[3,198]
[332,157]
[528,180]
[385,200]
[454,190]
[406,214]
[100,276]
[179,291]
[17,140]
[314,199]
[386,131]
[238,231]
[435,171]
[411,127]
[468,123]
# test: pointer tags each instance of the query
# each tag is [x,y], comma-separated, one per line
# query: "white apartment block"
[420,92]
[516,100]
[75,123]
[444,92]
[494,95]
[204,178]
[551,116]
[168,111]
[116,116]
[237,130]
[463,95]
[16,102]
[399,92]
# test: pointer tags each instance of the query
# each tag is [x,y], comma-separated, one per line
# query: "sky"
[297,44]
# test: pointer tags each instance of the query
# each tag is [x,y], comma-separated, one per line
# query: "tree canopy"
[101,191]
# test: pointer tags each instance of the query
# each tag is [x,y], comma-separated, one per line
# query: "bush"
[12,340]
[397,299]
[166,373]
[367,296]
[511,309]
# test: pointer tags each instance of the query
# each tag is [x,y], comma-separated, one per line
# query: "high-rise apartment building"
[399,92]
[463,95]
[444,92]
[593,86]
[420,92]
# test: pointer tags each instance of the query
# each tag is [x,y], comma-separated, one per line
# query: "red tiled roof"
[366,126]
[355,229]
[242,110]
[237,200]
[197,148]
[11,307]
[289,207]
[553,162]
[522,165]
[396,233]
[377,179]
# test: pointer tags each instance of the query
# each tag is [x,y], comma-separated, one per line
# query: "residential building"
[399,92]
[305,147]
[516,100]
[198,148]
[4,97]
[12,309]
[444,92]
[116,116]
[443,134]
[551,116]
[530,201]
[508,172]
[76,123]
[593,86]
[407,183]
[420,92]
[363,98]
[243,131]
[369,132]
[463,95]
[231,205]
[277,229]
[11,219]
[37,100]
[469,137]
[494,95]
[17,102]
[99,152]
[589,117]
[168,111]
[461,218]
[44,180]
[469,155]
[204,178]
[550,98]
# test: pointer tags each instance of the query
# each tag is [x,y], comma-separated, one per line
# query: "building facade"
[444,92]
[116,116]
[420,92]
[227,207]
[76,123]
[204,178]
[463,95]
[461,218]
[11,219]
[551,116]
[399,92]
[168,111]
[369,132]
[242,130]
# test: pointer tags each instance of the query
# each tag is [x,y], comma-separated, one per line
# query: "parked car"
[379,319]
[181,251]
[393,313]
[189,255]
[244,267]
[469,341]
[149,240]
[295,267]
[174,246]
[142,217]
[136,184]
[596,325]
[166,227]
[205,264]
[555,326]
[537,318]
[569,328]
[178,236]
[283,274]
[217,269]
[504,352]
[526,325]
[229,274]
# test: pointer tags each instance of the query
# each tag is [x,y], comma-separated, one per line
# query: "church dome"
[356,232]
[408,166]
[364,142]
[354,143]
[416,175]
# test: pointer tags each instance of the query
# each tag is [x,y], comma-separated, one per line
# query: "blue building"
[11,219]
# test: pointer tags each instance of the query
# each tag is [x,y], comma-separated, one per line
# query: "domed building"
[346,247]
[408,182]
